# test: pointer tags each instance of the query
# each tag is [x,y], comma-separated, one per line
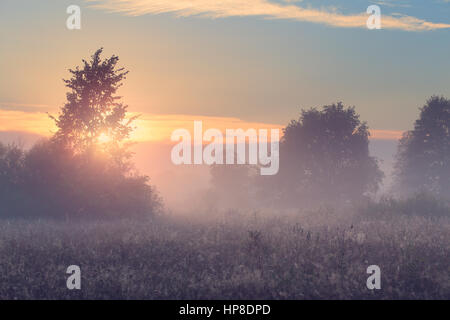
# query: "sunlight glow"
[104,138]
[149,127]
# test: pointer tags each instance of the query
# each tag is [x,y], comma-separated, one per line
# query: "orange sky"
[150,127]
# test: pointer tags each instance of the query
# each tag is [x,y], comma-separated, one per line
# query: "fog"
[184,188]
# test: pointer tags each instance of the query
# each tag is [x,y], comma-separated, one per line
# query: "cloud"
[392,4]
[263,8]
[25,121]
[159,127]
[26,107]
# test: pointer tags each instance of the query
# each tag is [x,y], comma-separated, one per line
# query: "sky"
[232,63]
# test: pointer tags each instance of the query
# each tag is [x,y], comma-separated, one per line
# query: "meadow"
[321,254]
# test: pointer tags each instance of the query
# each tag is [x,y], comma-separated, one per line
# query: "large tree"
[423,157]
[94,114]
[85,169]
[324,158]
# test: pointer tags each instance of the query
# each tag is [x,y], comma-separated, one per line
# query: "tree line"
[325,159]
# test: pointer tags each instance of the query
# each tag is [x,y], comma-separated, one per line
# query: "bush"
[12,196]
[49,182]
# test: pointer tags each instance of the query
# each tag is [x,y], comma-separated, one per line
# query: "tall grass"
[230,256]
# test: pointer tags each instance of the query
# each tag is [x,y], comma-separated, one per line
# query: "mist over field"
[174,183]
[235,150]
[182,196]
[309,255]
[202,247]
[340,208]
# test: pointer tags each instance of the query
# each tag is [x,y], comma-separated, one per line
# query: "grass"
[231,256]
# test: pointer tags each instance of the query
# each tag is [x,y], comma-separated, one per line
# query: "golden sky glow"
[29,122]
[150,127]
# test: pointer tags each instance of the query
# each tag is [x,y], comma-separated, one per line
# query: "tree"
[85,169]
[324,158]
[93,114]
[423,156]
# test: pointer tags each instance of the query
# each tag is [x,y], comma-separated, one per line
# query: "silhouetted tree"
[85,169]
[423,156]
[93,115]
[324,158]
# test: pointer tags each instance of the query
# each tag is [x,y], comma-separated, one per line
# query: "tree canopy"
[94,113]
[324,157]
[423,157]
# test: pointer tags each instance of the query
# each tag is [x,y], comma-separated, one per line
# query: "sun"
[104,138]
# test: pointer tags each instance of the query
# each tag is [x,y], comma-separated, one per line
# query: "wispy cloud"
[392,4]
[263,8]
[385,134]
[25,121]
[26,107]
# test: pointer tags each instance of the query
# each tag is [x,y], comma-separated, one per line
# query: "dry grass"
[236,256]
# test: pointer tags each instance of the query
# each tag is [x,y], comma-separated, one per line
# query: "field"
[231,255]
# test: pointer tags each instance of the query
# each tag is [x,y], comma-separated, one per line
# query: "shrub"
[49,182]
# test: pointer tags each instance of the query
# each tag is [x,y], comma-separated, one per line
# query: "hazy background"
[246,71]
